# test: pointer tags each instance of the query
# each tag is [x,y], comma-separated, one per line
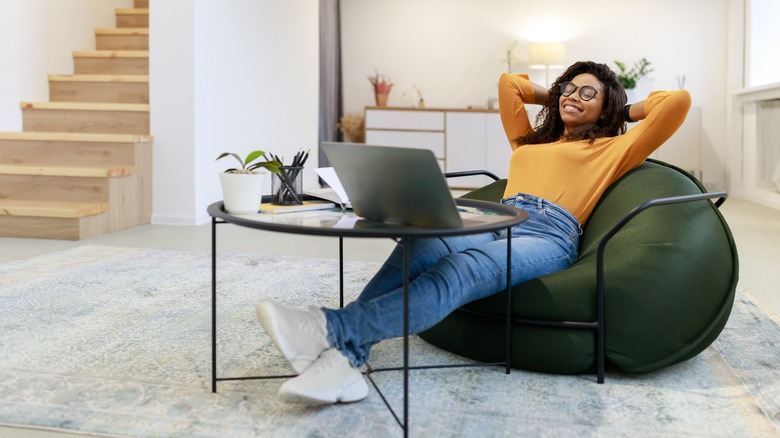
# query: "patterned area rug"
[116,341]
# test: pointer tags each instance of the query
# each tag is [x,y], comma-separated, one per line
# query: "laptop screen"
[394,184]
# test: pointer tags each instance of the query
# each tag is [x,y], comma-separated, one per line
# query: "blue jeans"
[446,273]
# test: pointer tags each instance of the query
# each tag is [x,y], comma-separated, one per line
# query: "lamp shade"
[546,55]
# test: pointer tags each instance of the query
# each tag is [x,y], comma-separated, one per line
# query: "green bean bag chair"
[670,275]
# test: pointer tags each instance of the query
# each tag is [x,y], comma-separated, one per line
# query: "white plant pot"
[242,193]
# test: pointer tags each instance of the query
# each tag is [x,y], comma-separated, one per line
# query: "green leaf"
[253,156]
[272,166]
[629,77]
[225,154]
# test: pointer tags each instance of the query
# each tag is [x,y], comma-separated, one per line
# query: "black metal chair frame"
[597,325]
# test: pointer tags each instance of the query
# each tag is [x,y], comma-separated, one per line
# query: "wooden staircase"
[82,165]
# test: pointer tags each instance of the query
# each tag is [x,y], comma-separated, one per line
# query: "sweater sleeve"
[514,91]
[665,112]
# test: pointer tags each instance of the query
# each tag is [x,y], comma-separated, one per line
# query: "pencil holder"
[287,186]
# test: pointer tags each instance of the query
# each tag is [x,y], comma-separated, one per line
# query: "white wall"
[38,38]
[229,76]
[453,49]
[172,111]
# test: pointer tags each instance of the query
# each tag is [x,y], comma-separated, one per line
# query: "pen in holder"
[287,185]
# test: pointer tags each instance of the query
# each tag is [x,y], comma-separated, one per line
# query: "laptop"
[394,184]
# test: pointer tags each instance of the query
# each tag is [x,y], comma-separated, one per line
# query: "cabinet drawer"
[409,139]
[405,120]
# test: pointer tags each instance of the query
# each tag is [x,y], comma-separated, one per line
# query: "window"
[763,36]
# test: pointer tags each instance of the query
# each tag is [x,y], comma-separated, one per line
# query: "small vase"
[381,99]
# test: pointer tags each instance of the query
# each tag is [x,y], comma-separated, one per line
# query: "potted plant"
[242,187]
[629,77]
[382,86]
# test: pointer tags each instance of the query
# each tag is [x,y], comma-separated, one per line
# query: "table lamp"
[546,56]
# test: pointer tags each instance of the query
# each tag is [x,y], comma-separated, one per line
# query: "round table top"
[478,217]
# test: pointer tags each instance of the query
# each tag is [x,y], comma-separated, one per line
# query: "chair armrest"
[471,173]
[652,203]
[600,257]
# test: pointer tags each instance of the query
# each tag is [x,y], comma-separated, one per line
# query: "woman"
[557,173]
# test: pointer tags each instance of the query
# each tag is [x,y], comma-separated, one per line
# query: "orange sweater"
[575,174]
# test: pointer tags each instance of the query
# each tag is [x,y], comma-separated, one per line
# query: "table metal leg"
[406,336]
[213,304]
[509,300]
[341,272]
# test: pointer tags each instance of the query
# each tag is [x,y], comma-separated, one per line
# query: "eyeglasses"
[586,91]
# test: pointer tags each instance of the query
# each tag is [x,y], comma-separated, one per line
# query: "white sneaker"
[328,380]
[300,335]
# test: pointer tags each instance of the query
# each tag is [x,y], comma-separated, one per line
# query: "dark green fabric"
[670,277]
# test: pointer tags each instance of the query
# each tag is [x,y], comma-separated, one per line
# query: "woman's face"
[574,110]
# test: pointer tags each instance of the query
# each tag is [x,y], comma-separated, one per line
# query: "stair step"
[120,62]
[132,79]
[63,149]
[130,38]
[141,3]
[59,188]
[136,17]
[70,149]
[88,106]
[54,227]
[99,88]
[63,228]
[50,209]
[76,137]
[119,118]
[75,171]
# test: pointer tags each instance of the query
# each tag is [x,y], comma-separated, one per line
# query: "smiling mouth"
[571,109]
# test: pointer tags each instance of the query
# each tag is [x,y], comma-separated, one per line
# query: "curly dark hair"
[550,127]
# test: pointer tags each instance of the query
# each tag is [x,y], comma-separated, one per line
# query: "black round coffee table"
[478,217]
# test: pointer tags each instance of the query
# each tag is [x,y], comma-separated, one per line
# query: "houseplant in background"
[628,77]
[353,126]
[242,187]
[509,55]
[382,86]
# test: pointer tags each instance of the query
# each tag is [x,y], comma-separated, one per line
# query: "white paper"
[328,174]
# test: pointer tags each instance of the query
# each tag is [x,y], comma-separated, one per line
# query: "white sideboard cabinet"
[460,139]
[469,139]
